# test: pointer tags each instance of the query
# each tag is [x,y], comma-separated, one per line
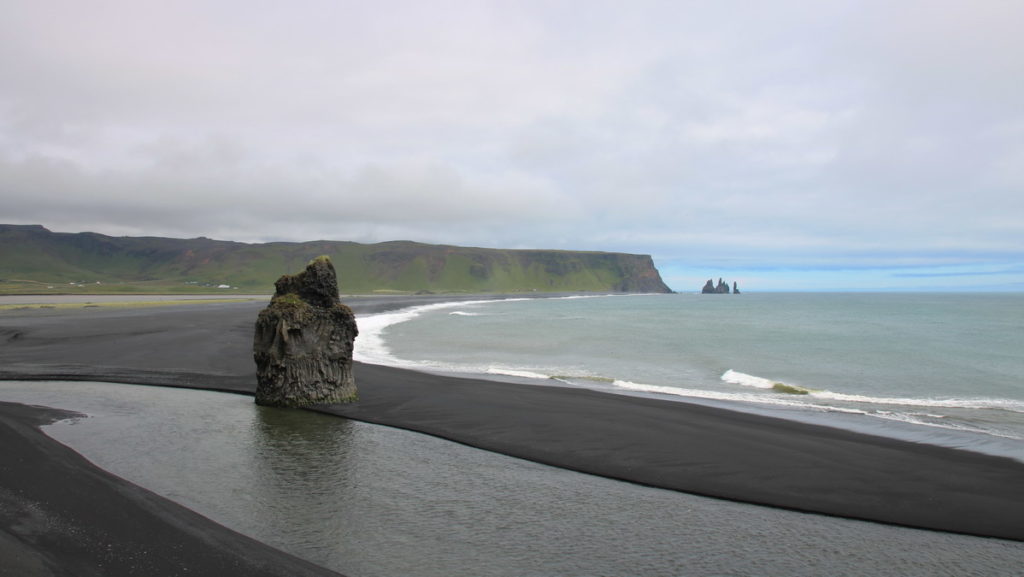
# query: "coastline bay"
[162,344]
[932,368]
[512,289]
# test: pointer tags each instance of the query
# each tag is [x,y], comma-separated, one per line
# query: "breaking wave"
[780,400]
[370,346]
[743,379]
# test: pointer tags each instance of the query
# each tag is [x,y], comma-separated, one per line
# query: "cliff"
[34,258]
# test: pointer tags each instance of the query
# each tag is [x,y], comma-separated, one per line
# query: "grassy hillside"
[34,259]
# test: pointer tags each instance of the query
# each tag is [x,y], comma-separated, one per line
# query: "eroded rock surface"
[303,341]
[721,288]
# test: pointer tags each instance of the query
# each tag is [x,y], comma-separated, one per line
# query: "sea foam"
[370,345]
[516,373]
[743,379]
[779,400]
[659,358]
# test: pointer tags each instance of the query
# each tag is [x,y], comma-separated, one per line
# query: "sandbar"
[663,443]
[61,515]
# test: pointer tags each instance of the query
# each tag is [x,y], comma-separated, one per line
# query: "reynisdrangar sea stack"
[303,342]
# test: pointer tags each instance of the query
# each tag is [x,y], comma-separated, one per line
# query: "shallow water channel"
[368,500]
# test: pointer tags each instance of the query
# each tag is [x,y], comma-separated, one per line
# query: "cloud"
[785,134]
[951,274]
[213,187]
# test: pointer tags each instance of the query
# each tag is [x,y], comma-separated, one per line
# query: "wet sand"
[669,444]
[60,515]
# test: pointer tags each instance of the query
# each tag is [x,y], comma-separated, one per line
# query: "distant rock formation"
[710,288]
[303,342]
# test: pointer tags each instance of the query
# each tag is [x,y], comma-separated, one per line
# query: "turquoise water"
[370,501]
[942,367]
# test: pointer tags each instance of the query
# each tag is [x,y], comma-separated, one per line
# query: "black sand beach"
[61,515]
[666,444]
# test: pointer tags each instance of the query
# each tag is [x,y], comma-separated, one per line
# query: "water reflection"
[287,441]
[302,478]
[376,501]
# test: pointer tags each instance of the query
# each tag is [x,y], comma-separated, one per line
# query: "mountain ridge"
[39,260]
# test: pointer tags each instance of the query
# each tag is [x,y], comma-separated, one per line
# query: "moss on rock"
[304,340]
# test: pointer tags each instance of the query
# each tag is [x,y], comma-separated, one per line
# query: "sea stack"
[722,288]
[303,341]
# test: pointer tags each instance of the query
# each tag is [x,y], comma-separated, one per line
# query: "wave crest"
[743,379]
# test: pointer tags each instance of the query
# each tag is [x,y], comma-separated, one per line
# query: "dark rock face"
[722,288]
[303,342]
[639,274]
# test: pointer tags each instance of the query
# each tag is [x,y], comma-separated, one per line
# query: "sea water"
[368,500]
[943,368]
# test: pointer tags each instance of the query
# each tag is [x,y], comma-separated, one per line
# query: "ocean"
[369,500]
[939,368]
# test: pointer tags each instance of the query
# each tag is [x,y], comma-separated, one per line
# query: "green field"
[34,260]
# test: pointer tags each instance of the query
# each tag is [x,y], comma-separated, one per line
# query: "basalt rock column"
[303,341]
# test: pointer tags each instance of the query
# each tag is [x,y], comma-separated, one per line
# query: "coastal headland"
[84,263]
[669,444]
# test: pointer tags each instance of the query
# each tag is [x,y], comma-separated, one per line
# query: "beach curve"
[674,445]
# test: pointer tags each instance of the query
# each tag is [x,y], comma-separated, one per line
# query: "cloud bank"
[765,141]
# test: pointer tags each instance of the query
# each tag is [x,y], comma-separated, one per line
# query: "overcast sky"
[782,144]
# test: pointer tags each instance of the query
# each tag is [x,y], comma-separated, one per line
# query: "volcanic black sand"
[668,444]
[61,515]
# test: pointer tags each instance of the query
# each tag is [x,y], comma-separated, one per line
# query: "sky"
[785,145]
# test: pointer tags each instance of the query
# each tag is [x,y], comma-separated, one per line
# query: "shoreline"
[819,412]
[670,444]
[707,451]
[61,515]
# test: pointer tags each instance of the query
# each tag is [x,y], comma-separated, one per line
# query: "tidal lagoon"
[370,500]
[367,500]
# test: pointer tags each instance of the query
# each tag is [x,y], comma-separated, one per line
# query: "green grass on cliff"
[35,260]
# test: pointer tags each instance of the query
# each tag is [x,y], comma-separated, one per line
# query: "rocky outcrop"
[303,341]
[638,274]
[722,288]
